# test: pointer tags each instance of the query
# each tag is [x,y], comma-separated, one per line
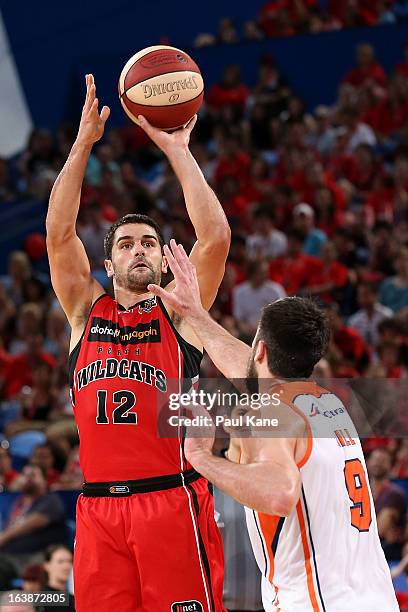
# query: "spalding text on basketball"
[169,87]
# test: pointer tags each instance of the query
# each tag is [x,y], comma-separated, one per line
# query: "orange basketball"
[162,83]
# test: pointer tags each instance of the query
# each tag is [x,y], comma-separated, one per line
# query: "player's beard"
[252,382]
[137,281]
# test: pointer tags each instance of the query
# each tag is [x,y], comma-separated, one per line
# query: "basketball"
[163,84]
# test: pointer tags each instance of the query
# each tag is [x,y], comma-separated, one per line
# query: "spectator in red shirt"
[7,474]
[402,67]
[392,111]
[5,367]
[232,162]
[238,257]
[390,363]
[327,218]
[368,70]
[347,347]
[380,202]
[295,270]
[364,172]
[274,19]
[332,276]
[313,178]
[43,456]
[400,466]
[230,90]
[340,162]
[259,186]
[233,203]
[20,369]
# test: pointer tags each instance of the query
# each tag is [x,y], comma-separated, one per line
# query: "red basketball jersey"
[121,371]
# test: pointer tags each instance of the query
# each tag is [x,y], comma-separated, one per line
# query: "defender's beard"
[136,280]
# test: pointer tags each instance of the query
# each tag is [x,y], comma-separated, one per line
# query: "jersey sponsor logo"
[329,414]
[187,606]
[123,368]
[119,489]
[103,330]
[314,411]
[147,305]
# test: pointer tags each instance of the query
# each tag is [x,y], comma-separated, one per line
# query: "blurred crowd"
[291,17]
[318,205]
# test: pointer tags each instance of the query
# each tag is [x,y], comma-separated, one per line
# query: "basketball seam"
[168,105]
[162,50]
[155,76]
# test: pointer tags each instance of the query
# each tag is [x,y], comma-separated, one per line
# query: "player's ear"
[260,352]
[108,267]
[165,265]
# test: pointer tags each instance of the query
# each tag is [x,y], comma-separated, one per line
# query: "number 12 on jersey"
[121,415]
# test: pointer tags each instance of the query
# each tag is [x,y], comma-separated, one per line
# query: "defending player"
[309,507]
[145,535]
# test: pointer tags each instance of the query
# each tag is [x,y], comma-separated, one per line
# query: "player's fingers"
[174,266]
[157,290]
[185,261]
[167,296]
[94,107]
[190,125]
[179,254]
[87,90]
[105,112]
[145,125]
[90,91]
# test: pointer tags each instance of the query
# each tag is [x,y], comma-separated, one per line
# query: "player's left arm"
[270,483]
[213,233]
[269,480]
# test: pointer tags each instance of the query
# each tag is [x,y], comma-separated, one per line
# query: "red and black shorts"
[148,546]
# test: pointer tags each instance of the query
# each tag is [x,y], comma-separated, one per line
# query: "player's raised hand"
[92,123]
[185,297]
[169,142]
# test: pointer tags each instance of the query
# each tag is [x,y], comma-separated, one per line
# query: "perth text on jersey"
[103,330]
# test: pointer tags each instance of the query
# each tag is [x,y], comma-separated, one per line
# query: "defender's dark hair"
[296,334]
[132,218]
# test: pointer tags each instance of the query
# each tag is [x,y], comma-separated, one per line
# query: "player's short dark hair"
[132,218]
[296,333]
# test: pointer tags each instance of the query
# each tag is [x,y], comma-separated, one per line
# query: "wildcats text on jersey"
[103,330]
[124,368]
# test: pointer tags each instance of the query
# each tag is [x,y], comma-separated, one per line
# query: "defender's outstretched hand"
[185,297]
[92,123]
[169,142]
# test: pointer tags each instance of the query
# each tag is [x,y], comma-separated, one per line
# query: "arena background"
[315,134]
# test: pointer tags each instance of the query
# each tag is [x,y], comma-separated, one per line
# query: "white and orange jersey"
[326,555]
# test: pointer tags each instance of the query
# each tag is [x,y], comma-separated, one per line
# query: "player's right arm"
[70,270]
[228,354]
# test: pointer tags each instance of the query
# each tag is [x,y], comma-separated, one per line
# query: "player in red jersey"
[146,539]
